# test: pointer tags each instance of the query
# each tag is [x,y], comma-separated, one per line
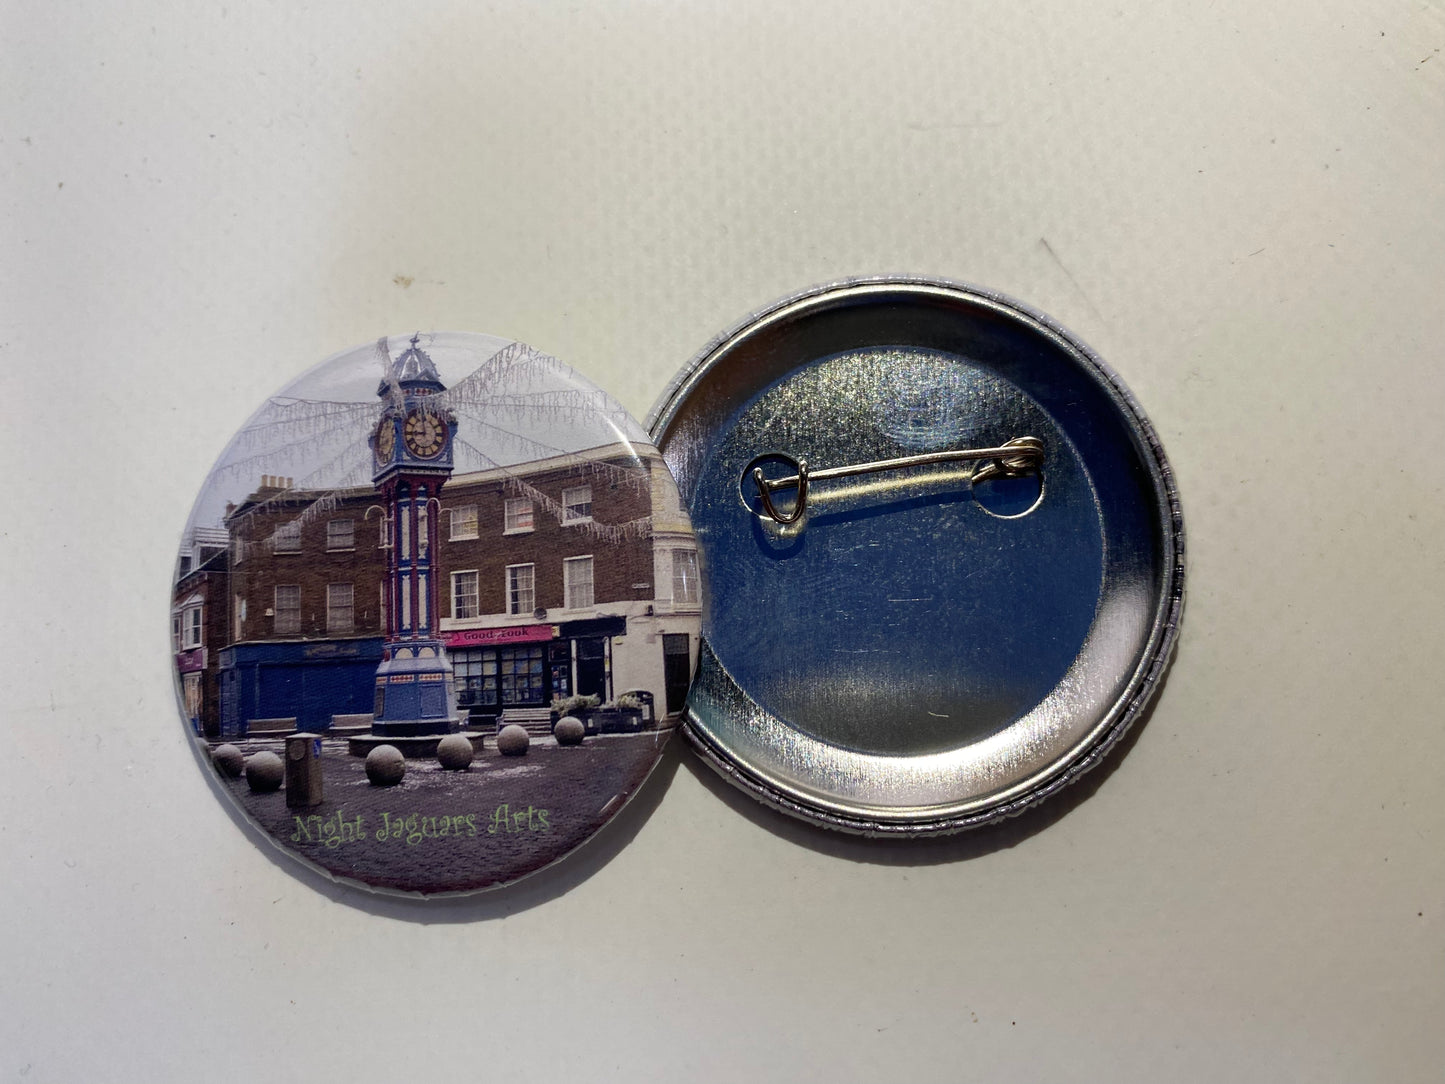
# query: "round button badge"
[952,550]
[435,613]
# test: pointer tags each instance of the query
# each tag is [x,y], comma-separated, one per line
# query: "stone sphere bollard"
[229,761]
[569,730]
[385,766]
[513,741]
[264,771]
[454,752]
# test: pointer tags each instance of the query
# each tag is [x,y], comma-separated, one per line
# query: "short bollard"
[303,770]
[264,772]
[229,761]
[455,752]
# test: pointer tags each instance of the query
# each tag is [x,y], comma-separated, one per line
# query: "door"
[676,673]
[560,664]
[592,666]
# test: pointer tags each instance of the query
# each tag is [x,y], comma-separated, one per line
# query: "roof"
[413,368]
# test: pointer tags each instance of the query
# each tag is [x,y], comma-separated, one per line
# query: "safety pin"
[1012,459]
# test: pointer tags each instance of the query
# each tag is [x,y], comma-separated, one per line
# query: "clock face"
[385,440]
[425,434]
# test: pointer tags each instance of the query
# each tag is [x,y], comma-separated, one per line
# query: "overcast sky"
[321,441]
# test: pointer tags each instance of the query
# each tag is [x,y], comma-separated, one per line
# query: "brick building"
[198,626]
[539,603]
[576,574]
[306,625]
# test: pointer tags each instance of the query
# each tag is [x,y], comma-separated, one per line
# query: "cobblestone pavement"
[441,831]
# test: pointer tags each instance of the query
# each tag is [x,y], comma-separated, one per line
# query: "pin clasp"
[1012,459]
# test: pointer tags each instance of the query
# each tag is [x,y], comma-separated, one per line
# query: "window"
[577,582]
[475,673]
[464,594]
[191,628]
[175,632]
[341,534]
[517,515]
[238,549]
[464,522]
[499,676]
[684,576]
[238,608]
[191,690]
[521,589]
[577,504]
[522,678]
[385,540]
[287,538]
[288,607]
[340,609]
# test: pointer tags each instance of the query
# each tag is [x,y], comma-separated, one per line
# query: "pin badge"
[968,604]
[435,613]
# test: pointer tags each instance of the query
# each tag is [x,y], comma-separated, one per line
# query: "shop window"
[287,538]
[340,607]
[191,689]
[577,582]
[341,534]
[464,595]
[475,673]
[684,576]
[577,504]
[521,589]
[499,677]
[521,674]
[464,522]
[517,515]
[288,607]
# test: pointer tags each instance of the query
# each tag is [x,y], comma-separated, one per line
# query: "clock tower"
[412,459]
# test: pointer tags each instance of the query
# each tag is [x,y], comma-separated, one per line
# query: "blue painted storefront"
[310,681]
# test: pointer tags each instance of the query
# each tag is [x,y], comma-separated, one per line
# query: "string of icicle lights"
[320,448]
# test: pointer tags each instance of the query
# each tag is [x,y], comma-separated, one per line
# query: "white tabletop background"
[1240,206]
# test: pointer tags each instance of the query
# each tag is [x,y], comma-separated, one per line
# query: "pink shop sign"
[509,634]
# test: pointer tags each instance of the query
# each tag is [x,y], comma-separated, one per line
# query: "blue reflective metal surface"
[901,616]
[913,654]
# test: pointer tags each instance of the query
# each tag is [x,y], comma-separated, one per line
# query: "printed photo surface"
[435,613]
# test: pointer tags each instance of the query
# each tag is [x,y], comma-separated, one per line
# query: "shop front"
[591,653]
[307,681]
[529,666]
[499,668]
[191,666]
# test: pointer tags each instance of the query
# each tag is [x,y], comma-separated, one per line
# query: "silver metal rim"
[1151,664]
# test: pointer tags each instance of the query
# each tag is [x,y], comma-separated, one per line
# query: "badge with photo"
[435,613]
